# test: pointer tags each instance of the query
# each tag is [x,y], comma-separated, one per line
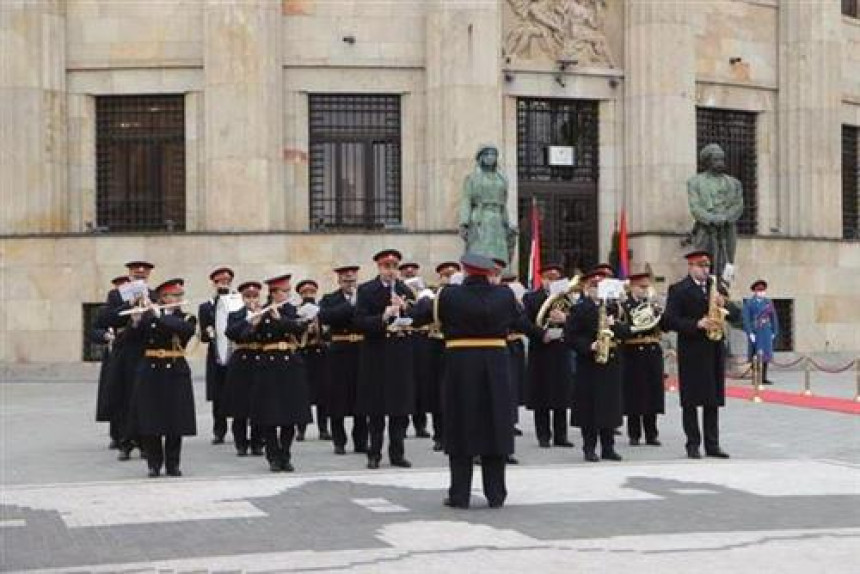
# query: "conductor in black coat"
[386,380]
[475,318]
[216,372]
[550,367]
[126,355]
[597,395]
[163,403]
[337,312]
[701,361]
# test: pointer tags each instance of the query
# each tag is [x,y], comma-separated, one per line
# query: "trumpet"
[145,308]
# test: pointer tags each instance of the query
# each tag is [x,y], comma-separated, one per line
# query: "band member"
[644,393]
[761,325]
[126,354]
[423,382]
[105,336]
[239,382]
[386,383]
[280,399]
[337,311]
[313,351]
[701,361]
[550,375]
[212,332]
[597,394]
[163,405]
[475,318]
[517,352]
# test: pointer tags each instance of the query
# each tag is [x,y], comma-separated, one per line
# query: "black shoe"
[611,455]
[154,472]
[218,440]
[717,453]
[113,444]
[511,459]
[401,463]
[422,433]
[693,452]
[543,443]
[173,472]
[653,442]
[591,457]
[275,466]
[257,451]
[438,446]
[325,435]
[339,450]
[767,382]
[517,432]
[287,467]
[373,462]
[495,503]
[634,442]
[451,504]
[124,454]
[242,451]
[563,444]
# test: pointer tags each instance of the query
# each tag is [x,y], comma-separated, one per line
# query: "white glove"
[752,338]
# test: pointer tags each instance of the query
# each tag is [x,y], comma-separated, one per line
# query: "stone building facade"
[625,90]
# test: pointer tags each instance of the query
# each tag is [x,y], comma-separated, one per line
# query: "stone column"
[809,103]
[244,116]
[33,142]
[464,101]
[660,114]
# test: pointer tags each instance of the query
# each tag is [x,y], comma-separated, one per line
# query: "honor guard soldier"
[594,331]
[105,336]
[475,318]
[163,404]
[761,325]
[386,383]
[126,354]
[280,399]
[644,391]
[239,383]
[550,375]
[423,382]
[313,351]
[517,351]
[693,310]
[213,322]
[337,311]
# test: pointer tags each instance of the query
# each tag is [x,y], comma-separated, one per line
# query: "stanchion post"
[807,376]
[756,378]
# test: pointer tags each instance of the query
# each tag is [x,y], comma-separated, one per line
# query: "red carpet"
[832,404]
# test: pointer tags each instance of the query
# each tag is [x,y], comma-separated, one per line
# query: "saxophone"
[716,313]
[605,337]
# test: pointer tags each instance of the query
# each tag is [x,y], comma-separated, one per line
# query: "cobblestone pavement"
[787,501]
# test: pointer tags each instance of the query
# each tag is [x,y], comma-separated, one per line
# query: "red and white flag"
[534,253]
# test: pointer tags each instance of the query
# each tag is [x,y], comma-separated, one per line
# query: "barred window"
[140,163]
[850,182]
[851,8]
[92,351]
[735,132]
[785,315]
[355,174]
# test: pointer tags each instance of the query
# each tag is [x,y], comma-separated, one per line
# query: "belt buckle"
[353,338]
[161,353]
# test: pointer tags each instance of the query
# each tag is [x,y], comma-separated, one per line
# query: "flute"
[137,310]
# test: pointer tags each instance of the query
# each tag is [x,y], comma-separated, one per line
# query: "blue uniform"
[760,320]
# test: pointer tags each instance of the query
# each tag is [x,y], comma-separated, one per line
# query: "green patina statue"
[484,222]
[716,203]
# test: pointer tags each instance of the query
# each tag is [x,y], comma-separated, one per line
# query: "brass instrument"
[716,313]
[605,337]
[646,315]
[560,301]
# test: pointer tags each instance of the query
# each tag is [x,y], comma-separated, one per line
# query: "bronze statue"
[716,203]
[484,222]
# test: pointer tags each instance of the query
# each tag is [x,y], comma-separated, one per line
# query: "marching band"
[465,353]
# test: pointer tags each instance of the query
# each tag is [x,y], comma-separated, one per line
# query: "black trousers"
[559,425]
[114,431]
[219,419]
[322,420]
[397,426]
[635,424]
[492,472]
[419,421]
[278,442]
[590,436]
[240,434]
[710,427]
[162,450]
[438,427]
[359,432]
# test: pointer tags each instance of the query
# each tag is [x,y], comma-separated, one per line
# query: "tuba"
[562,301]
[716,313]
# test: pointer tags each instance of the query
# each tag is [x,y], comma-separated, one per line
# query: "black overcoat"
[343,356]
[239,382]
[644,391]
[216,373]
[550,372]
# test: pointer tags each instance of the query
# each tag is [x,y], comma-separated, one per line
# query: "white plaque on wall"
[561,155]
